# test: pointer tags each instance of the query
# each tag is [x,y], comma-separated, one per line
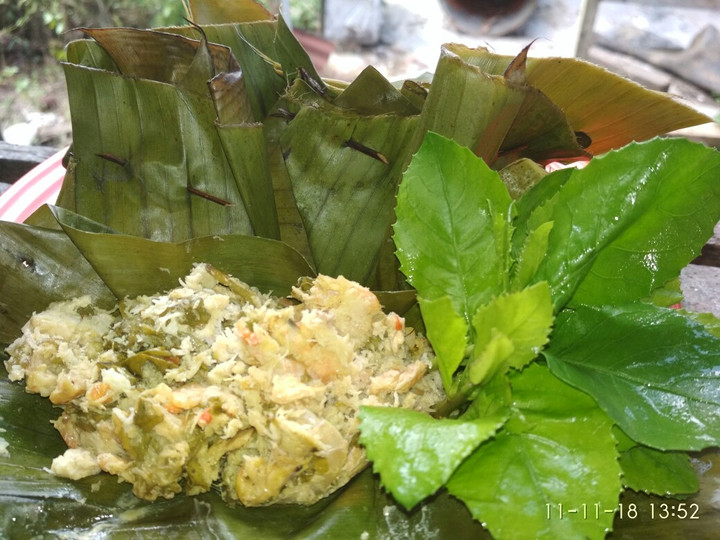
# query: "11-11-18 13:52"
[677,510]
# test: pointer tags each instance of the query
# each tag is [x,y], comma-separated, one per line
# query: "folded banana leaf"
[610,110]
[220,142]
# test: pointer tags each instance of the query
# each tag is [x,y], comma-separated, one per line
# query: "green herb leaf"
[511,331]
[446,230]
[556,448]
[654,471]
[622,228]
[531,254]
[448,332]
[653,370]
[414,453]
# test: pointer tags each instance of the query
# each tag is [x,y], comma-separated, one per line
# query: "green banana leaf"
[610,110]
[220,142]
[344,168]
[154,165]
[149,266]
[494,114]
[269,54]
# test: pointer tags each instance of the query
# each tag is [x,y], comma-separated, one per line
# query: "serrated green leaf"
[510,331]
[445,232]
[414,453]
[556,448]
[447,330]
[530,255]
[651,223]
[494,397]
[654,471]
[491,358]
[654,371]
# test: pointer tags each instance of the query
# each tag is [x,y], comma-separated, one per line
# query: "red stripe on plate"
[39,186]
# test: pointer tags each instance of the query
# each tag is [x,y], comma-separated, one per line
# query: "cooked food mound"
[217,384]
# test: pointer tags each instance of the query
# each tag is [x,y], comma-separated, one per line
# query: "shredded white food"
[214,383]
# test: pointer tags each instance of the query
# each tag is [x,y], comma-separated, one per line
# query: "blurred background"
[666,45]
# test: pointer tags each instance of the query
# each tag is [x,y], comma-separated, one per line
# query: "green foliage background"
[37,27]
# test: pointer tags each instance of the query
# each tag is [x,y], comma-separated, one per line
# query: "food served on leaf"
[544,296]
[216,382]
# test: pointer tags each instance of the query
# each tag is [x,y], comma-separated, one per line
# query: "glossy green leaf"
[653,471]
[654,371]
[445,233]
[447,330]
[414,453]
[530,255]
[494,397]
[510,331]
[556,448]
[651,223]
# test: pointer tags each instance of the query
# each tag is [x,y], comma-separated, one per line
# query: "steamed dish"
[214,383]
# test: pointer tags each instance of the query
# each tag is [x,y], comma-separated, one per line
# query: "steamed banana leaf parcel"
[271,305]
